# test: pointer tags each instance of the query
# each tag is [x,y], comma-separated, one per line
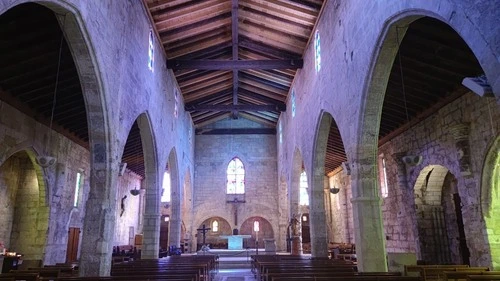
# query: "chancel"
[302,131]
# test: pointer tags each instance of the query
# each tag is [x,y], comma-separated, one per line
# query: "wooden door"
[73,241]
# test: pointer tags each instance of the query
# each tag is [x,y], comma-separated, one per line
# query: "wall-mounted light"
[334,190]
[166,218]
[304,218]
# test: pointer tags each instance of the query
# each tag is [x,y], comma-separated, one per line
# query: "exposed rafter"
[234,64]
[236,131]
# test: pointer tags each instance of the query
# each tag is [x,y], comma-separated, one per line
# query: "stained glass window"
[293,102]
[317,51]
[235,177]
[165,195]
[215,226]
[303,196]
[151,51]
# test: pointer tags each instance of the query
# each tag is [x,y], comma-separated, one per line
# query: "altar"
[235,242]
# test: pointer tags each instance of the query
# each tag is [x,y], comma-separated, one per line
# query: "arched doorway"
[441,238]
[25,212]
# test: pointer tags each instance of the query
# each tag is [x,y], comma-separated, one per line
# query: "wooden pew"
[461,274]
[350,278]
[483,277]
[22,276]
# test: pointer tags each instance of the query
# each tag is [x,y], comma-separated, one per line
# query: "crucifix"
[204,231]
[235,201]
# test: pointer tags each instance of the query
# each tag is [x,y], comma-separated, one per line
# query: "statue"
[294,226]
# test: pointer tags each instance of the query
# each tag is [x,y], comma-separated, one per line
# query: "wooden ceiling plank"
[261,48]
[214,33]
[278,39]
[283,84]
[259,120]
[208,92]
[197,47]
[262,92]
[233,107]
[207,9]
[271,23]
[211,98]
[205,83]
[200,28]
[202,77]
[301,16]
[157,5]
[264,87]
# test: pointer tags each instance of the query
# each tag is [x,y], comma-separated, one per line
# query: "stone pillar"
[174,231]
[151,227]
[317,218]
[367,217]
[151,238]
[99,223]
[460,133]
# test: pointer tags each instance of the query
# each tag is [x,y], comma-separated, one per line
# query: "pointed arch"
[175,195]
[235,173]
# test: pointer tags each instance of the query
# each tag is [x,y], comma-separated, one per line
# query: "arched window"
[293,102]
[78,184]
[151,57]
[317,51]
[256,226]
[384,188]
[215,226]
[165,195]
[235,177]
[303,196]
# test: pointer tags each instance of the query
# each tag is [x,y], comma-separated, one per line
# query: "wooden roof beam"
[235,64]
[237,107]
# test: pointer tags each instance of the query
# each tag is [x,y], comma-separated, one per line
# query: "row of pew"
[291,268]
[173,268]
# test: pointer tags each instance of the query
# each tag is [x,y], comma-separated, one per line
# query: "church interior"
[359,133]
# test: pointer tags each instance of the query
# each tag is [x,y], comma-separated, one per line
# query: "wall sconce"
[166,218]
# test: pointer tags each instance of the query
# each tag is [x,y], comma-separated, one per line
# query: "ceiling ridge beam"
[235,64]
[236,107]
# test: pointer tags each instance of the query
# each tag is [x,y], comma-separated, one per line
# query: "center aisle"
[234,269]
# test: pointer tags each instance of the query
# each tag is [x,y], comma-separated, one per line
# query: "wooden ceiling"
[234,57]
[434,61]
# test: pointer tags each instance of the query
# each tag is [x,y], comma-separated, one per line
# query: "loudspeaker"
[412,160]
[45,161]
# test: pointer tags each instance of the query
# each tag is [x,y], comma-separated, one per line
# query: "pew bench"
[21,276]
[350,278]
[483,277]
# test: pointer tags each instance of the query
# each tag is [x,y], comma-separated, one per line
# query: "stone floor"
[234,275]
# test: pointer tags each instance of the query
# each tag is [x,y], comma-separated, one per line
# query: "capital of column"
[460,131]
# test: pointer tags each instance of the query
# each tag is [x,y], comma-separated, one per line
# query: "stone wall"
[339,210]
[258,154]
[127,224]
[432,138]
[9,179]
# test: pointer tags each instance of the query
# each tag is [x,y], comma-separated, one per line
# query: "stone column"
[367,216]
[151,238]
[99,223]
[296,235]
[174,231]
[151,226]
[460,133]
[317,218]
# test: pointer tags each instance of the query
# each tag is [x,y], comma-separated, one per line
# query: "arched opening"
[137,189]
[418,68]
[439,218]
[25,212]
[212,236]
[62,54]
[490,204]
[264,231]
[329,159]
